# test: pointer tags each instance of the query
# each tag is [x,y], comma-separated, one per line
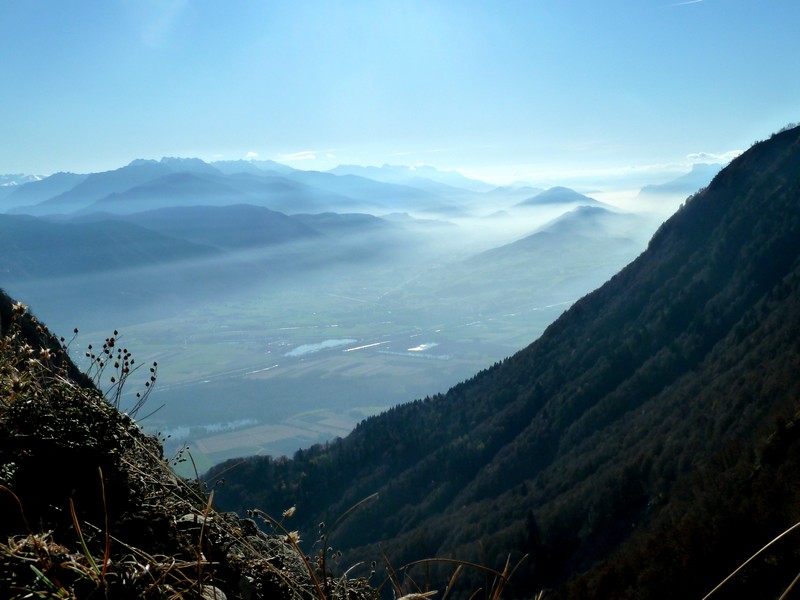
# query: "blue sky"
[541,90]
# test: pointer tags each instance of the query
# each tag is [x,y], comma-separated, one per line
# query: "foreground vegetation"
[91,509]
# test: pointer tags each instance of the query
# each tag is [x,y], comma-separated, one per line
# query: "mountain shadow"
[644,446]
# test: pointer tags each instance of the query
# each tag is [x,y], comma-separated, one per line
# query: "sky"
[599,91]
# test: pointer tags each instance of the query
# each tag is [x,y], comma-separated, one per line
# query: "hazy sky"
[536,90]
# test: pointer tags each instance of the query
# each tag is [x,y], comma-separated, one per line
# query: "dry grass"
[92,509]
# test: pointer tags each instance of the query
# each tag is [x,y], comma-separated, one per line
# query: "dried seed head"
[292,537]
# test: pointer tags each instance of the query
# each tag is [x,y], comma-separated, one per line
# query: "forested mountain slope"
[644,446]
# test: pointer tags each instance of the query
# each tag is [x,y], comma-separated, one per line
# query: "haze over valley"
[284,306]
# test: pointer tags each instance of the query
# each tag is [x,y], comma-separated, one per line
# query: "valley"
[253,375]
[275,331]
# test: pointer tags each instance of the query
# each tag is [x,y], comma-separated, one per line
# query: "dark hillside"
[673,385]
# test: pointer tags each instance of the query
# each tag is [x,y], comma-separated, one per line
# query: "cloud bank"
[304,155]
[711,157]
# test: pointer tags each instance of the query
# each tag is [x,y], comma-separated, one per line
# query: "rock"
[209,592]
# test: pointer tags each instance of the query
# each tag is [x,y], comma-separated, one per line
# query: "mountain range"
[149,184]
[287,220]
[644,446]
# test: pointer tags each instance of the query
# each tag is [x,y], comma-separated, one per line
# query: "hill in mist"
[551,266]
[559,195]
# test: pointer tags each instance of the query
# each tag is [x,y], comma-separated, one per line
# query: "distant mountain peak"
[177,161]
[136,162]
[173,163]
[16,179]
[559,195]
[699,176]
